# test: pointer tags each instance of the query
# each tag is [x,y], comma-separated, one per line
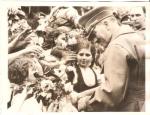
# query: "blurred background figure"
[137,16]
[63,16]
[123,15]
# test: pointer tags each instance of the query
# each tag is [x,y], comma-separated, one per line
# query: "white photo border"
[4,44]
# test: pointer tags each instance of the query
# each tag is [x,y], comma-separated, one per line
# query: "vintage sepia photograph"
[76,58]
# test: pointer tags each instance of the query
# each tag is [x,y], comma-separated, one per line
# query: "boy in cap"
[125,81]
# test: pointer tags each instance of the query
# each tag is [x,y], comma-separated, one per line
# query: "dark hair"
[85,44]
[49,40]
[57,53]
[32,20]
[18,70]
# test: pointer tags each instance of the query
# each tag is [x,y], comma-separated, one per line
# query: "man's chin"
[84,65]
[137,25]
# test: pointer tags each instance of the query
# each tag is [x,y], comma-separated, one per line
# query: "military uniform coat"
[124,69]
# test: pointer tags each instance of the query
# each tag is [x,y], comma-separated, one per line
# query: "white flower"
[46,85]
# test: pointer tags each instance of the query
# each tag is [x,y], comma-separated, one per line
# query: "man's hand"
[74,97]
[83,103]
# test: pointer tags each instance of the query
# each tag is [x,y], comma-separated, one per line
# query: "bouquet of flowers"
[54,92]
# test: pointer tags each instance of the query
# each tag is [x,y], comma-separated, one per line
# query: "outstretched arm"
[32,49]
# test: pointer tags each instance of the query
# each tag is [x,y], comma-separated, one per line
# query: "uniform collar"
[124,29]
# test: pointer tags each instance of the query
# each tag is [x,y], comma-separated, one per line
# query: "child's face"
[61,41]
[84,57]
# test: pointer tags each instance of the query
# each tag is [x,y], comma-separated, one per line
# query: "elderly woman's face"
[84,57]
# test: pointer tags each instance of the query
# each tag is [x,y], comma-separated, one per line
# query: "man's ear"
[55,41]
[107,25]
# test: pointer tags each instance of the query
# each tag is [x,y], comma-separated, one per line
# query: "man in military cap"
[124,67]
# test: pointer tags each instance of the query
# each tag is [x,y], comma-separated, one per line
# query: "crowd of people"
[73,59]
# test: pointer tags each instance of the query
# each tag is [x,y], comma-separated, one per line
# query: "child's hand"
[24,34]
[68,87]
[69,57]
[74,97]
[83,103]
[33,49]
